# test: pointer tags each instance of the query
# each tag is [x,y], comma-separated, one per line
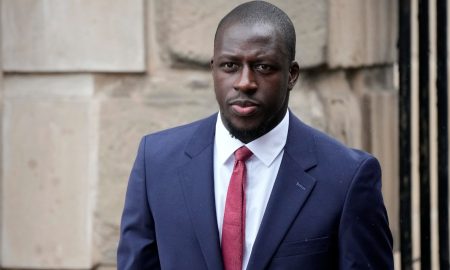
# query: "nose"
[246,80]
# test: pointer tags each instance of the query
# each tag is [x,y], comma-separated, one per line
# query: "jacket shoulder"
[327,150]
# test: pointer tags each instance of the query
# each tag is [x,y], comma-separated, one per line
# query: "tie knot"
[242,154]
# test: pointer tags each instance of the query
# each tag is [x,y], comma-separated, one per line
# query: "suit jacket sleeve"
[365,240]
[137,246]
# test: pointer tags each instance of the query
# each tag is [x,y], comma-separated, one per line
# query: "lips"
[244,107]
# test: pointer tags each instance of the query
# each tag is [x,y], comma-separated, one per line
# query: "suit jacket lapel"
[291,189]
[197,181]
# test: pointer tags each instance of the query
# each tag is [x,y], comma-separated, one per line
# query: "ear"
[294,72]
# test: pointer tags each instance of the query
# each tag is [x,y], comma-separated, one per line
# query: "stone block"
[192,25]
[73,35]
[361,33]
[305,103]
[341,105]
[49,175]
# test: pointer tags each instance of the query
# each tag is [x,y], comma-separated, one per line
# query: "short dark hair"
[262,12]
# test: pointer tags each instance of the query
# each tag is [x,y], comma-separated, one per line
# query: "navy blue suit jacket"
[325,212]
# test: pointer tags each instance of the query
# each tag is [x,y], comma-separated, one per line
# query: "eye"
[263,68]
[229,66]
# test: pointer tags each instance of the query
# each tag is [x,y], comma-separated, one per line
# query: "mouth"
[244,108]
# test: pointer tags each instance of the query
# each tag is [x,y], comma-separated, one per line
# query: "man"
[291,198]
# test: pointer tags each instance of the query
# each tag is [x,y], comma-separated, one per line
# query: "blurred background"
[82,81]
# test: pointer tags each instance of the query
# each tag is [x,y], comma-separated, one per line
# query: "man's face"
[252,78]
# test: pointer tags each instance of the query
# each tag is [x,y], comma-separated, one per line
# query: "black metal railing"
[424,134]
[442,140]
[404,59]
[405,124]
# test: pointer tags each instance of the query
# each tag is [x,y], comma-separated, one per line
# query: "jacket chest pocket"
[304,247]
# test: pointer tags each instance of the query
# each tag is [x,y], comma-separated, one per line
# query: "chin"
[246,134]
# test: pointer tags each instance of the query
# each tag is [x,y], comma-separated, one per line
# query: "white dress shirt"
[262,170]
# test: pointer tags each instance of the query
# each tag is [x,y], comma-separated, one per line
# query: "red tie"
[233,229]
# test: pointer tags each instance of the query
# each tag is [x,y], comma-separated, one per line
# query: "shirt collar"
[266,148]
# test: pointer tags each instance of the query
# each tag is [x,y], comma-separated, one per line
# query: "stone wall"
[82,81]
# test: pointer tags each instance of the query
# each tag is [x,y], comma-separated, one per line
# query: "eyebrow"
[262,55]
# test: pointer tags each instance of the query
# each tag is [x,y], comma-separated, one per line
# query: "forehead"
[249,36]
